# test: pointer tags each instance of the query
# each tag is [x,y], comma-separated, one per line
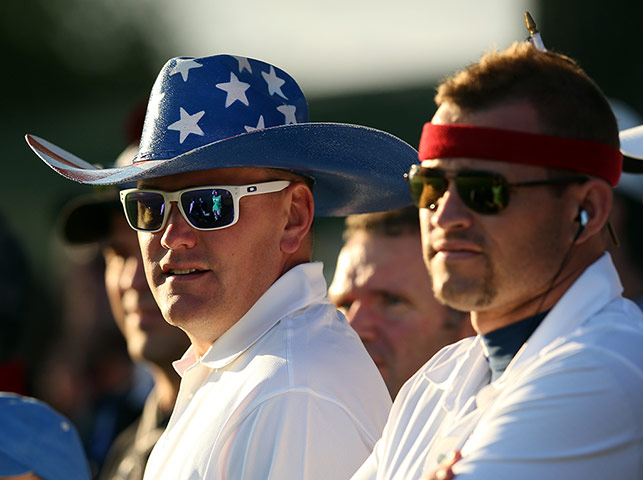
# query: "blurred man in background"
[383,288]
[150,339]
[152,342]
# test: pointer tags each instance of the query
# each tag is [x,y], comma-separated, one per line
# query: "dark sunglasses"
[483,192]
[204,208]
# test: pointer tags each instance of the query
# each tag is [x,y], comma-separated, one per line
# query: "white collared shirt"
[569,405]
[288,392]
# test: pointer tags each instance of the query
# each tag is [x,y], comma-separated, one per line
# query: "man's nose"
[450,212]
[177,232]
[361,319]
[133,275]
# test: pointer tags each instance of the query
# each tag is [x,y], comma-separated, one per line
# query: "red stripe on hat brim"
[35,144]
[76,173]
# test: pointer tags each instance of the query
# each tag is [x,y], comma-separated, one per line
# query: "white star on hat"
[289,113]
[244,64]
[183,66]
[235,89]
[274,82]
[260,125]
[188,124]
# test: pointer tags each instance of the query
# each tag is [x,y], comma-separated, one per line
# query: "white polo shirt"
[289,392]
[569,405]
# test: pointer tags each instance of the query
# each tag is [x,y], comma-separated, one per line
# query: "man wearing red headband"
[515,190]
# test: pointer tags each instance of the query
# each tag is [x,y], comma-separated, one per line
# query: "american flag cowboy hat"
[228,111]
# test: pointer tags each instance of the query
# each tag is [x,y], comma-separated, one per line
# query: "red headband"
[458,140]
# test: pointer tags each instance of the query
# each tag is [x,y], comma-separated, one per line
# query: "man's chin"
[182,311]
[464,297]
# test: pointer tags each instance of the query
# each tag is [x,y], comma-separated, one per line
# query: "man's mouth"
[455,249]
[456,245]
[185,271]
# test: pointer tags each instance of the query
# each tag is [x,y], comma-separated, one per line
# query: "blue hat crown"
[199,101]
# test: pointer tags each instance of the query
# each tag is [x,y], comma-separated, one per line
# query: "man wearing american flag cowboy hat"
[230,173]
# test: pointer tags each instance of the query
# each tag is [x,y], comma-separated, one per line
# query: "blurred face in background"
[149,337]
[382,286]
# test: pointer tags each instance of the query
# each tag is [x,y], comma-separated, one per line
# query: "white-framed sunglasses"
[208,207]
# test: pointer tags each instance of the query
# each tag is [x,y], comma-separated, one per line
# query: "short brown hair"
[389,224]
[568,102]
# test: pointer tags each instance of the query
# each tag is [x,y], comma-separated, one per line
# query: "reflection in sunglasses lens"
[425,191]
[145,210]
[208,208]
[486,195]
[483,193]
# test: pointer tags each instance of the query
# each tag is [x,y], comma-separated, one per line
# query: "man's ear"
[300,216]
[595,199]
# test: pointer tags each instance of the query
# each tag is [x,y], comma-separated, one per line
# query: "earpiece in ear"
[582,218]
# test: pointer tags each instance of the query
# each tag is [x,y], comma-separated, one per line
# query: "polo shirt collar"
[596,287]
[298,288]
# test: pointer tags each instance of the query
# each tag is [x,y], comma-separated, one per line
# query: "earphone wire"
[560,268]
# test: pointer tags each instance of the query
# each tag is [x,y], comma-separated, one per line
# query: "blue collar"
[504,343]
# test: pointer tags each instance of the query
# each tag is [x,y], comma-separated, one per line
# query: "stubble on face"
[511,269]
[521,250]
[458,287]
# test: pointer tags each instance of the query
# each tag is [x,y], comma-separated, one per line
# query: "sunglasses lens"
[145,210]
[426,187]
[483,194]
[208,208]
